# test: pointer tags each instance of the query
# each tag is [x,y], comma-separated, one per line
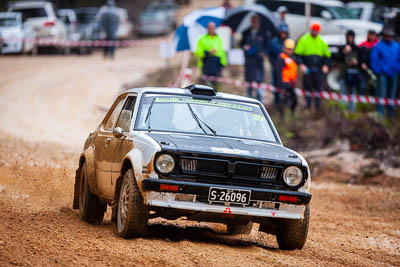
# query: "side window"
[125,118]
[271,5]
[316,11]
[114,116]
[295,8]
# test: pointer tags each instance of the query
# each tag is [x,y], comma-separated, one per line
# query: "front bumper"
[264,202]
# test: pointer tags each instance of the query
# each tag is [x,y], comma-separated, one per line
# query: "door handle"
[107,141]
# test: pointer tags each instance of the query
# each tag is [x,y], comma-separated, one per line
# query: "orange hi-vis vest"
[289,72]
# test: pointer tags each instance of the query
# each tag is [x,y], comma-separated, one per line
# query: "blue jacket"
[275,48]
[385,58]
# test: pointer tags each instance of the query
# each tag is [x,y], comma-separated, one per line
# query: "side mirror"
[326,15]
[118,132]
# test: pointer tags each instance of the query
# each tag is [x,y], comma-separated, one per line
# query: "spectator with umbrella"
[211,53]
[255,45]
[275,49]
[385,62]
[313,56]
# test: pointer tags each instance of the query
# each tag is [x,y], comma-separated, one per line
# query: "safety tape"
[82,43]
[301,92]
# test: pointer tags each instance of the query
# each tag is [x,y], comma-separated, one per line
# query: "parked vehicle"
[17,36]
[333,16]
[368,11]
[125,26]
[44,20]
[169,5]
[68,16]
[154,22]
[194,153]
[75,34]
[87,27]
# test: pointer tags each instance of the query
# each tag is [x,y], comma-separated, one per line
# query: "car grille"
[204,166]
[254,170]
[226,169]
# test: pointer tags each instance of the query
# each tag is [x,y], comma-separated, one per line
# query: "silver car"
[191,152]
[154,22]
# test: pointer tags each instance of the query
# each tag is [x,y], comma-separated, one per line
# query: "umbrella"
[238,19]
[194,26]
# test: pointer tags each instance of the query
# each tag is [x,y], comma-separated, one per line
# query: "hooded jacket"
[385,58]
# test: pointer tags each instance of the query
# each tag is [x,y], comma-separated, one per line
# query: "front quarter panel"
[142,154]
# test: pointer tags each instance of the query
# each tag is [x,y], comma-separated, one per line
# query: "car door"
[119,147]
[102,141]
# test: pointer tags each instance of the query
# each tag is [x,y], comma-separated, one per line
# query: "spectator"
[385,62]
[313,56]
[255,46]
[275,48]
[349,56]
[286,70]
[227,4]
[282,11]
[109,22]
[365,54]
[211,53]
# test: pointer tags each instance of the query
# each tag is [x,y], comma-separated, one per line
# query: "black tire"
[91,209]
[292,234]
[239,229]
[132,214]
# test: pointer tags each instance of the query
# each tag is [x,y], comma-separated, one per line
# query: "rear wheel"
[292,234]
[91,209]
[244,229]
[132,214]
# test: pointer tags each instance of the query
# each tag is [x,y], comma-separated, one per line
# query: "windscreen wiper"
[149,114]
[198,120]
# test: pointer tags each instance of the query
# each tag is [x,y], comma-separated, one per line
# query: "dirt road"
[48,106]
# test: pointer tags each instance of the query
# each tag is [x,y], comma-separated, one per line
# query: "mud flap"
[114,204]
[75,204]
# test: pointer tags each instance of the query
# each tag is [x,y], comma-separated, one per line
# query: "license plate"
[225,195]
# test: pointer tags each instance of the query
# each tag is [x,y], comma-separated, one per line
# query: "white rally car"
[195,153]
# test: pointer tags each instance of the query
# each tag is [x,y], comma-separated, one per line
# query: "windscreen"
[85,17]
[28,13]
[340,13]
[8,22]
[185,114]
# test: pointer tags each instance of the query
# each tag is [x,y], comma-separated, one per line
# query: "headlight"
[165,163]
[293,176]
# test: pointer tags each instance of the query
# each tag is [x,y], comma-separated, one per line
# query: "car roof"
[360,4]
[186,92]
[317,2]
[29,4]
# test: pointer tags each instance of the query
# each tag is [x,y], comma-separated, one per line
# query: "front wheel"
[292,234]
[91,209]
[132,214]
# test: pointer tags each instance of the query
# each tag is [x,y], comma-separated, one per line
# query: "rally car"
[194,153]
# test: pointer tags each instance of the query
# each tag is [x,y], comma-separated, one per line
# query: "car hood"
[226,147]
[357,25]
